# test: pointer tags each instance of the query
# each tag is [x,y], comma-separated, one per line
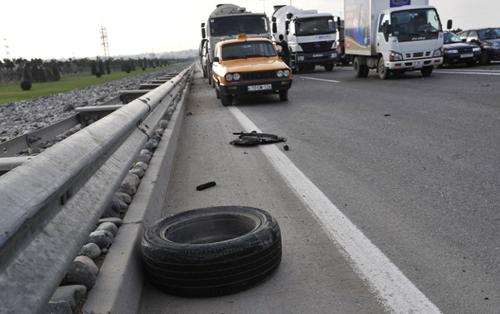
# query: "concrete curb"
[120,281]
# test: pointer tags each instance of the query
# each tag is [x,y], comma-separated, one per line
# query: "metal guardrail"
[50,204]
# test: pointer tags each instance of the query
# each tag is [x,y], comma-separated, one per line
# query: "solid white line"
[396,292]
[469,73]
[318,79]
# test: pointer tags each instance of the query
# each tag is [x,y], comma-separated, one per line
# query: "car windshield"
[249,49]
[490,33]
[234,25]
[418,24]
[315,26]
[451,38]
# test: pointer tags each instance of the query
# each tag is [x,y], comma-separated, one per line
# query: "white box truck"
[310,36]
[227,21]
[393,36]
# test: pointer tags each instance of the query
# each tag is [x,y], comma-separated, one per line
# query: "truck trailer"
[227,21]
[393,36]
[310,36]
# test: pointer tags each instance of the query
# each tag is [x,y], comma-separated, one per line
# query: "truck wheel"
[383,72]
[284,95]
[211,251]
[427,71]
[329,67]
[226,100]
[361,70]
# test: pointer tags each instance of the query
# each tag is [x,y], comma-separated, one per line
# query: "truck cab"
[393,36]
[310,36]
[226,22]
[409,38]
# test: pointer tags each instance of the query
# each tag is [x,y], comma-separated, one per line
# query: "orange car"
[249,66]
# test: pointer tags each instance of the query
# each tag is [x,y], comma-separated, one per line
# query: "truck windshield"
[490,33]
[417,24]
[234,25]
[314,26]
[249,49]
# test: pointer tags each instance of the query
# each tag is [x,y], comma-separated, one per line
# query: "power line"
[104,41]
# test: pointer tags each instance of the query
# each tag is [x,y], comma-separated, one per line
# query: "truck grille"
[258,75]
[317,47]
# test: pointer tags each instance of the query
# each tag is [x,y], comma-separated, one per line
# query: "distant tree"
[93,68]
[25,85]
[100,67]
[108,66]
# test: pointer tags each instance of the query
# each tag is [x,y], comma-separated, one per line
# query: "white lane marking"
[469,72]
[318,79]
[396,292]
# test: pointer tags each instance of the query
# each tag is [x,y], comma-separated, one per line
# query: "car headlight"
[395,56]
[236,76]
[450,51]
[476,49]
[229,77]
[286,73]
[279,73]
[438,53]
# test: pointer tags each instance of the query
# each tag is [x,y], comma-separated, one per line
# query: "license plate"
[317,55]
[467,55]
[255,88]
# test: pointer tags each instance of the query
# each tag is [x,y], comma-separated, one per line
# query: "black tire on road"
[283,95]
[211,251]
[427,71]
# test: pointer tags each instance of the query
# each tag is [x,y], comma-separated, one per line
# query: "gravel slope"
[24,116]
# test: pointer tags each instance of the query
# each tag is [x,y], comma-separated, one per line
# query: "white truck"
[311,37]
[227,21]
[393,36]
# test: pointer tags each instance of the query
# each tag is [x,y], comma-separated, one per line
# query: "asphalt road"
[413,163]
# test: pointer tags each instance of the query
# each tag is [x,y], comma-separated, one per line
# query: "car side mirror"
[216,60]
[449,24]
[386,30]
[275,28]
[203,33]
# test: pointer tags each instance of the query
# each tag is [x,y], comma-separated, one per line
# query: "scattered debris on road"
[254,138]
[205,186]
[189,113]
[286,148]
[387,115]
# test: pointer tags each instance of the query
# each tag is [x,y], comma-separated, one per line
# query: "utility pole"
[104,41]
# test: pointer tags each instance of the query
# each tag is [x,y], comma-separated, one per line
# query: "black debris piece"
[206,186]
[254,138]
[189,113]
[286,148]
[387,115]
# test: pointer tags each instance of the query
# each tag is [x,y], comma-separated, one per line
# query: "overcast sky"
[70,28]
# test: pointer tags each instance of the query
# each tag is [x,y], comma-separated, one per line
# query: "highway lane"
[414,163]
